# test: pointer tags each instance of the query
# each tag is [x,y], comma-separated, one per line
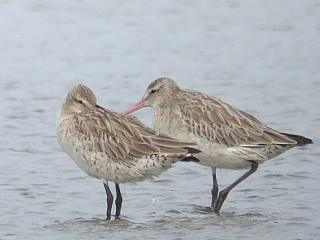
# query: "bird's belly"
[82,158]
[212,154]
[219,156]
[238,157]
[98,164]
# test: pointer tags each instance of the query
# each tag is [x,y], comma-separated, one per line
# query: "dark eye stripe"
[154,90]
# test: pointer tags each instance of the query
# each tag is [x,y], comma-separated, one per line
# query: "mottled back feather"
[219,122]
[123,137]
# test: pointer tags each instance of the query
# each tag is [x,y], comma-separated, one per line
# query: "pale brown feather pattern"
[219,122]
[123,137]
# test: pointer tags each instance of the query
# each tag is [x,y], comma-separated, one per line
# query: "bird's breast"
[167,122]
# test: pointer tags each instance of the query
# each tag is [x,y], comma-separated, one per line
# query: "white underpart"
[214,154]
[97,164]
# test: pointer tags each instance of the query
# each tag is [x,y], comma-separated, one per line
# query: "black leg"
[118,201]
[109,200]
[215,189]
[224,193]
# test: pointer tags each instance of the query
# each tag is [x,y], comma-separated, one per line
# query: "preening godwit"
[227,137]
[113,147]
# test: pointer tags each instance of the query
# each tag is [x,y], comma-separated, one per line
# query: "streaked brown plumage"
[227,137]
[111,146]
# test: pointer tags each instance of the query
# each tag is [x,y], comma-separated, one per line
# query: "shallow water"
[262,56]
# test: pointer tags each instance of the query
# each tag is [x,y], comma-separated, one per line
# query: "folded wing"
[124,137]
[222,123]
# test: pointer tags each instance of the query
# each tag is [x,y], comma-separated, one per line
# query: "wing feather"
[124,137]
[224,123]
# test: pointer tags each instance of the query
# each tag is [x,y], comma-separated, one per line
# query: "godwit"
[227,137]
[113,147]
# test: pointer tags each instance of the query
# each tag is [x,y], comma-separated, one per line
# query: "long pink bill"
[133,108]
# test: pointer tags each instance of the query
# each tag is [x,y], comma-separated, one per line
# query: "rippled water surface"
[262,56]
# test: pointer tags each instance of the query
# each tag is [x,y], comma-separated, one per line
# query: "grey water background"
[261,56]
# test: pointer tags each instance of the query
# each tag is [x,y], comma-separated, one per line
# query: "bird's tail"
[299,139]
[192,150]
[191,158]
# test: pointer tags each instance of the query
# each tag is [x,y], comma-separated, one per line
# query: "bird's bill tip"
[133,108]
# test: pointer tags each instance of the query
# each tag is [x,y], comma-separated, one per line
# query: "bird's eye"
[80,101]
[153,91]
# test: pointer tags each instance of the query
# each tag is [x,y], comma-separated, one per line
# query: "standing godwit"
[113,147]
[227,137]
